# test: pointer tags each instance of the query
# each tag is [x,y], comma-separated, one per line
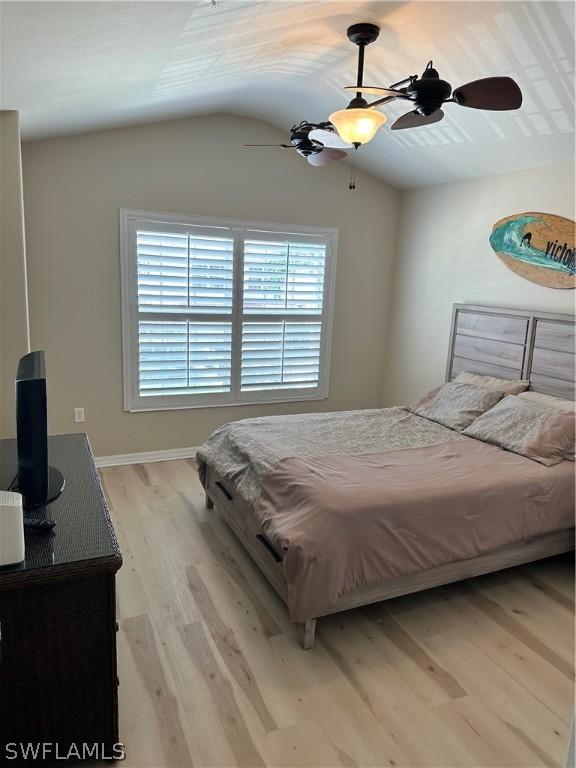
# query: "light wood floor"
[211,673]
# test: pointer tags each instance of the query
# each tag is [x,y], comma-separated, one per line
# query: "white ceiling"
[75,66]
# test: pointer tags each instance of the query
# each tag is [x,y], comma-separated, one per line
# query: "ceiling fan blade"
[326,157]
[284,146]
[415,120]
[328,139]
[496,93]
[375,90]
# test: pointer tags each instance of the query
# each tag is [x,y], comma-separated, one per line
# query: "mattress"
[354,499]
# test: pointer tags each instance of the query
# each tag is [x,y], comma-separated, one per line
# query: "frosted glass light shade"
[357,126]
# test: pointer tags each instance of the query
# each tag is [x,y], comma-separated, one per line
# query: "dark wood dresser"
[58,678]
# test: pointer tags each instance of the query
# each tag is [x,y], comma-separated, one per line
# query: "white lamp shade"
[357,126]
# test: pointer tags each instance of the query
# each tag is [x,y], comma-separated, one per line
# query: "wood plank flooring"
[211,674]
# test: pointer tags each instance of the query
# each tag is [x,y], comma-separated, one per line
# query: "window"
[219,312]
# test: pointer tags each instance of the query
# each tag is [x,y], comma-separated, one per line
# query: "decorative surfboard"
[537,246]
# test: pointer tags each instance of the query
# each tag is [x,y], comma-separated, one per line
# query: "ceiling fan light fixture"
[357,126]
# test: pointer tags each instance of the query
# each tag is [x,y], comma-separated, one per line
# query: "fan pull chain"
[352,184]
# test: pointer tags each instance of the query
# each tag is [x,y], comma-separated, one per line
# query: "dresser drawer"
[58,677]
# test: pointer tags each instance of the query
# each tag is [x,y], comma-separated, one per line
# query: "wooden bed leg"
[209,502]
[307,631]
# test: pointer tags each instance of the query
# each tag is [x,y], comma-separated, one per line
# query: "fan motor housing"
[306,147]
[299,138]
[429,93]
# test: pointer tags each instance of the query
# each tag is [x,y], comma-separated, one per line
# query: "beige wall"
[443,256]
[73,189]
[13,309]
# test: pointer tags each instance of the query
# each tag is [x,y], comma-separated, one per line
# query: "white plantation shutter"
[181,358]
[282,355]
[223,314]
[282,277]
[163,356]
[283,280]
[182,275]
[191,271]
[162,270]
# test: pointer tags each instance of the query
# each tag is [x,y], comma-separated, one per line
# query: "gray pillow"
[542,434]
[456,405]
[508,386]
[556,403]
[548,401]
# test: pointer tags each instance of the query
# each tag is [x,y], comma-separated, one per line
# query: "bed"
[346,509]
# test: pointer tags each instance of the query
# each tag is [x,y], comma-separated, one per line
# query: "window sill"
[271,401]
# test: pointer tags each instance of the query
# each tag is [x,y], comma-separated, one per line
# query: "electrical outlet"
[79,414]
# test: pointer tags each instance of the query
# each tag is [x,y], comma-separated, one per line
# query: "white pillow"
[508,386]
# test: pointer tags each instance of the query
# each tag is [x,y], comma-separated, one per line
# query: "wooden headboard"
[514,344]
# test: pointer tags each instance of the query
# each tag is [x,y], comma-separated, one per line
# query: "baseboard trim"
[146,457]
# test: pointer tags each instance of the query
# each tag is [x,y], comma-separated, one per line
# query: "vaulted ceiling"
[75,66]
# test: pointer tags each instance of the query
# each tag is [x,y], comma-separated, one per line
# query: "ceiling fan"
[349,128]
[318,143]
[359,122]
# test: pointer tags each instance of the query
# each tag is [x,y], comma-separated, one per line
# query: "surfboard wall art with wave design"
[537,246]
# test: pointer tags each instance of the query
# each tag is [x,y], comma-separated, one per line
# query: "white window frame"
[133,401]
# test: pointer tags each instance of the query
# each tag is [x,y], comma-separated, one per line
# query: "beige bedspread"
[243,452]
[349,522]
[357,498]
